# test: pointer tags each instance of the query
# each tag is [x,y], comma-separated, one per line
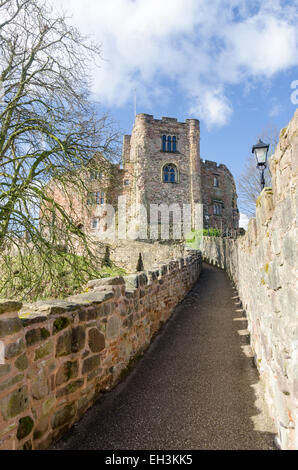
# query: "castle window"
[174,143]
[94,223]
[216,182]
[96,198]
[90,199]
[95,175]
[170,174]
[217,208]
[169,147]
[169,143]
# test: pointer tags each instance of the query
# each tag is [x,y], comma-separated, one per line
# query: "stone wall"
[223,194]
[263,265]
[58,357]
[125,253]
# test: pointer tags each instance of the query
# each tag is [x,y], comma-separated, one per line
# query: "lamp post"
[261,152]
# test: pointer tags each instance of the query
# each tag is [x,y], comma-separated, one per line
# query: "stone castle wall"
[224,193]
[125,254]
[144,159]
[58,357]
[263,265]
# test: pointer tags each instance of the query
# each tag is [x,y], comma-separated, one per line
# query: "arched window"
[169,143]
[164,143]
[174,140]
[170,174]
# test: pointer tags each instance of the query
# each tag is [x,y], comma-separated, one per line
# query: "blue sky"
[229,64]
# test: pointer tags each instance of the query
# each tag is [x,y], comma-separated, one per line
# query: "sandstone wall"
[57,357]
[125,253]
[224,193]
[263,265]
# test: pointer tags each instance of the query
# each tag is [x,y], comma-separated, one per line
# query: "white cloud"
[243,222]
[275,110]
[198,45]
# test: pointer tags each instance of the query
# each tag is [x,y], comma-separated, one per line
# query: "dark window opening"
[216,182]
[169,147]
[170,174]
[169,143]
[217,208]
[174,144]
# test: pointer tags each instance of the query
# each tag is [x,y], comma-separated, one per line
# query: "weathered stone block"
[14,403]
[4,369]
[21,362]
[14,349]
[273,276]
[8,306]
[9,326]
[107,281]
[25,427]
[36,335]
[59,324]
[63,346]
[90,363]
[70,388]
[44,350]
[67,371]
[63,416]
[96,340]
[87,315]
[48,405]
[113,327]
[77,339]
[39,385]
[41,429]
[11,381]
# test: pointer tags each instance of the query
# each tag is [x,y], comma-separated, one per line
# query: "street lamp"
[261,151]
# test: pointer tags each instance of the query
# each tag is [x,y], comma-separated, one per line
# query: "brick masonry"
[60,356]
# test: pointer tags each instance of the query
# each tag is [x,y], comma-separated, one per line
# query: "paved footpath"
[191,390]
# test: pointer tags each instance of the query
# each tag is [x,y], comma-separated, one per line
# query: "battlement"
[210,165]
[149,118]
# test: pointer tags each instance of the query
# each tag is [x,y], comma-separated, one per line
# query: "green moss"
[60,324]
[44,333]
[258,201]
[68,370]
[25,427]
[22,362]
[132,363]
[266,267]
[263,282]
[27,445]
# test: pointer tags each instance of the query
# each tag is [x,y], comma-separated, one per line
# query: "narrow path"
[191,390]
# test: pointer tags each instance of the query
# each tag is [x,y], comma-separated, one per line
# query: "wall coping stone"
[106,281]
[7,306]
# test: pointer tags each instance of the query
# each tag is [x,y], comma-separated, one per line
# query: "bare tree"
[49,129]
[248,183]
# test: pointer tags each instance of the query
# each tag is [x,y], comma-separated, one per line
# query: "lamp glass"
[261,155]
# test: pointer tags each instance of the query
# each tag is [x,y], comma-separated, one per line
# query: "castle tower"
[162,162]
